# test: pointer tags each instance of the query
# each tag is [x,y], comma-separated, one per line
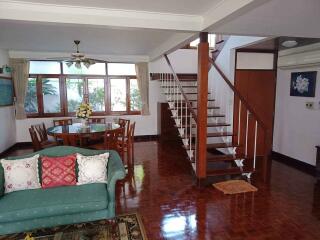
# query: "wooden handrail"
[194,115]
[238,94]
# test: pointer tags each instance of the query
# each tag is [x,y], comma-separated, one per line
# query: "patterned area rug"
[124,227]
[235,186]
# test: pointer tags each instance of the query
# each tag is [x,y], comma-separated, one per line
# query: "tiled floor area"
[162,191]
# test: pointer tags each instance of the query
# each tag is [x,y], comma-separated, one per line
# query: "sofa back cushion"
[21,174]
[58,171]
[92,169]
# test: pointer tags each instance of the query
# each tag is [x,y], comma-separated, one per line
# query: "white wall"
[226,61]
[182,60]
[296,128]
[7,119]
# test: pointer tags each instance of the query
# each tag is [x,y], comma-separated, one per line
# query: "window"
[51,95]
[54,89]
[95,69]
[44,67]
[135,98]
[31,100]
[75,93]
[118,94]
[96,94]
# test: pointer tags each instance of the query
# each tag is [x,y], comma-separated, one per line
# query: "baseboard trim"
[146,138]
[292,162]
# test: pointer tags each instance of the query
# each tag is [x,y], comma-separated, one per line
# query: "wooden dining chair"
[37,144]
[113,140]
[129,143]
[125,123]
[62,122]
[97,120]
[41,130]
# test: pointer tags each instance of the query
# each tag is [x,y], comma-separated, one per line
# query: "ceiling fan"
[77,58]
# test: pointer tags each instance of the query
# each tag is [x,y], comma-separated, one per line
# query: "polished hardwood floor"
[160,187]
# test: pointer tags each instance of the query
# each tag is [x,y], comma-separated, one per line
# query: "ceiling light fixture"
[289,43]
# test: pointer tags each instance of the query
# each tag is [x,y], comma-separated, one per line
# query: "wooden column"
[203,68]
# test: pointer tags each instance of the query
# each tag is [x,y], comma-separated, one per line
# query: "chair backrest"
[41,130]
[125,123]
[62,122]
[97,120]
[34,138]
[131,132]
[114,139]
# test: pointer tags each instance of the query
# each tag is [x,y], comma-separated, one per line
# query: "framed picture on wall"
[303,84]
[6,91]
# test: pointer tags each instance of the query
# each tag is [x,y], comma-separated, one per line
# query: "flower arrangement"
[84,111]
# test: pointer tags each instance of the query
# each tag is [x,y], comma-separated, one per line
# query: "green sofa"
[26,210]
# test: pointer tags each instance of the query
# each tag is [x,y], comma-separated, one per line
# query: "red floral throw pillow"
[58,171]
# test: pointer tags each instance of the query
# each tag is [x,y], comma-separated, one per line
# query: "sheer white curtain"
[20,74]
[142,72]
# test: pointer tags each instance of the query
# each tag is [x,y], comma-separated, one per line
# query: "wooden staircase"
[214,146]
[217,129]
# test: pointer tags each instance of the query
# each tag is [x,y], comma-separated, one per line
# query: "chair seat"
[48,143]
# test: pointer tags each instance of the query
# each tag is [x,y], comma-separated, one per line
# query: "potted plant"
[83,112]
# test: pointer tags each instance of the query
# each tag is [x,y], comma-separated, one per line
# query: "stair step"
[181,86]
[209,116]
[219,42]
[220,134]
[194,93]
[195,100]
[183,107]
[182,80]
[209,125]
[228,171]
[222,157]
[215,145]
[222,145]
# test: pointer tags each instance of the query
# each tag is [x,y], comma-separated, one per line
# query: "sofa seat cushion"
[38,203]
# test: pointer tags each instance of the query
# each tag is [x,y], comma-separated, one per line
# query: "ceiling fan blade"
[97,60]
[59,58]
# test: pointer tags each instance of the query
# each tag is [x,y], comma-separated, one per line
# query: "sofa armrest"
[115,172]
[1,181]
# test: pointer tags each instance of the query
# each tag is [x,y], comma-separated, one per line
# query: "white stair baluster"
[255,145]
[247,125]
[239,122]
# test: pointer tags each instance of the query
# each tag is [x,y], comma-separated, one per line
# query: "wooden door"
[258,88]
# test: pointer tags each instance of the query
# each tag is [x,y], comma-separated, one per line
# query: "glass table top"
[77,128]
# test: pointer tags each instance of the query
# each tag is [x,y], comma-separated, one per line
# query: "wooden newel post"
[203,68]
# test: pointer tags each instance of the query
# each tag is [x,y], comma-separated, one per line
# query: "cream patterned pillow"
[21,174]
[92,169]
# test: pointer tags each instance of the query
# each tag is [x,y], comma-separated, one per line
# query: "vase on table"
[84,123]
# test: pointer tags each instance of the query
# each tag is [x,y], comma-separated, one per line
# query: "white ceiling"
[196,7]
[154,28]
[296,18]
[94,40]
[119,27]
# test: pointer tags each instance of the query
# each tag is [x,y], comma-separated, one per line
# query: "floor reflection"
[160,187]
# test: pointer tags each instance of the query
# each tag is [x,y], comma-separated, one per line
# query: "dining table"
[77,134]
